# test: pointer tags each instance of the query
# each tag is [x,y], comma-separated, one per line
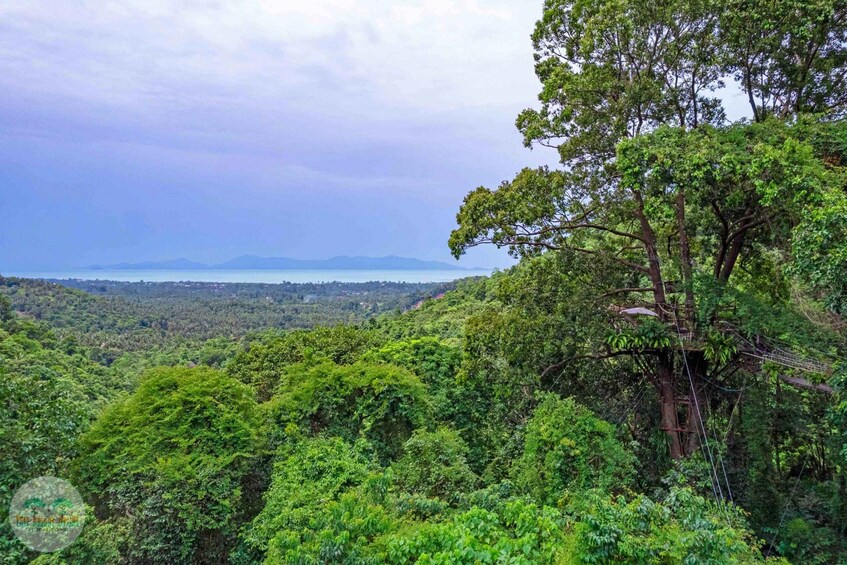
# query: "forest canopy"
[659,379]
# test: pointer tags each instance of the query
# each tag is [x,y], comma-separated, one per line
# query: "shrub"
[568,449]
[517,532]
[309,474]
[434,464]
[435,362]
[174,456]
[263,363]
[380,403]
[682,528]
[342,532]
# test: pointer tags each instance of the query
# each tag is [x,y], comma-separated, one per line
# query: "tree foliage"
[263,361]
[309,474]
[175,456]
[434,464]
[568,450]
[657,380]
[381,404]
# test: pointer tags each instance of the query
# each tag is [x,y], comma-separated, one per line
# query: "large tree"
[657,182]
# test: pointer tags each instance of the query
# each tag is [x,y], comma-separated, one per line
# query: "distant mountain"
[341,262]
[181,264]
[253,262]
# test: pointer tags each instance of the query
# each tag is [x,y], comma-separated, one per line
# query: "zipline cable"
[785,510]
[721,461]
[714,477]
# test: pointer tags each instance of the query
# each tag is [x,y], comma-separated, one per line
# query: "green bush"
[263,362]
[174,456]
[568,450]
[49,394]
[802,542]
[517,532]
[683,528]
[380,403]
[342,531]
[431,359]
[468,405]
[100,542]
[434,464]
[309,474]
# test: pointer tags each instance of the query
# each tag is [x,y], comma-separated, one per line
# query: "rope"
[723,388]
[705,444]
[714,478]
[785,510]
[635,403]
[721,461]
[783,356]
[731,414]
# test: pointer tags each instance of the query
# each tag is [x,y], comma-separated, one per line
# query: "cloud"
[257,118]
[176,64]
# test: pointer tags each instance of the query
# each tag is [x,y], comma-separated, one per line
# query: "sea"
[256,276]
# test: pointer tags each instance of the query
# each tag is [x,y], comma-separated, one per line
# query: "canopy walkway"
[763,350]
[759,352]
[793,361]
[788,359]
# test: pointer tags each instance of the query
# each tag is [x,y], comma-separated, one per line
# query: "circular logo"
[47,514]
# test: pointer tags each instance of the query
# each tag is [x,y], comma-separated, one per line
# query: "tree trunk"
[697,404]
[685,260]
[654,268]
[667,398]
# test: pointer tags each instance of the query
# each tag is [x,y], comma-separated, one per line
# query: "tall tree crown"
[654,178]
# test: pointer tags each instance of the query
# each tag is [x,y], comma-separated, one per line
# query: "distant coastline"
[266,276]
[254,262]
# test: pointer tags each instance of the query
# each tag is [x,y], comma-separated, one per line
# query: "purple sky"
[156,129]
[150,130]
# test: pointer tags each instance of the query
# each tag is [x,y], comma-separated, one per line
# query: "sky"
[156,129]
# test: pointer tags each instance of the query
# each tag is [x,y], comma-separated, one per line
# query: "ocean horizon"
[266,276]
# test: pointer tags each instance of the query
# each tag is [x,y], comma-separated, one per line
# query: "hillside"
[114,317]
[660,379]
[435,426]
